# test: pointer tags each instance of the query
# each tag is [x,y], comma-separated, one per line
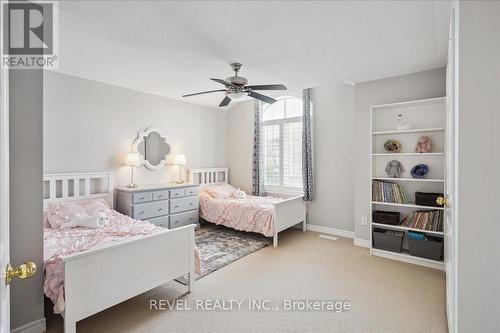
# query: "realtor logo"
[29,38]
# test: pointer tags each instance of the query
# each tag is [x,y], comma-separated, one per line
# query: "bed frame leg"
[275,240]
[304,223]
[190,281]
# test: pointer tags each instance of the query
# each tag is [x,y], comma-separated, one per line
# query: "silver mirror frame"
[140,138]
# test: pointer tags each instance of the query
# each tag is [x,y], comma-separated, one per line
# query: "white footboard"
[98,279]
[288,213]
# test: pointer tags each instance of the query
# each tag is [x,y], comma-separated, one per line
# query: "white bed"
[99,278]
[286,213]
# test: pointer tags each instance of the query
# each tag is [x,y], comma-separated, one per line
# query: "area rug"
[221,246]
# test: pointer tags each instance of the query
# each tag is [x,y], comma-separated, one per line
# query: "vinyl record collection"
[430,220]
[388,192]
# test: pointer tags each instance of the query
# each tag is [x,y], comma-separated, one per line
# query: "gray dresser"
[167,205]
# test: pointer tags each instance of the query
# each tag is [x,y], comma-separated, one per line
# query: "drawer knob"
[142,212]
[160,209]
[160,196]
[191,204]
[176,207]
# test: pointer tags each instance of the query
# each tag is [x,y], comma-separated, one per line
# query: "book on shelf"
[388,192]
[429,220]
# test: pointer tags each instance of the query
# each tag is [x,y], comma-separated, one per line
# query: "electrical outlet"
[364,220]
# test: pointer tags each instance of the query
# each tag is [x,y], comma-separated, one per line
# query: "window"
[282,145]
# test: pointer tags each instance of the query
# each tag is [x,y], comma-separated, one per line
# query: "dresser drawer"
[183,204]
[161,221]
[160,195]
[191,191]
[177,193]
[151,209]
[182,219]
[141,197]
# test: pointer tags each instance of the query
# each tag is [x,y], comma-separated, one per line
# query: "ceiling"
[172,48]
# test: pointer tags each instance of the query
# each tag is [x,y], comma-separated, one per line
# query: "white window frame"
[287,190]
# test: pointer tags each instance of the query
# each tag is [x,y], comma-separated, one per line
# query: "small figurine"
[394,169]
[402,124]
[423,145]
[392,146]
[419,171]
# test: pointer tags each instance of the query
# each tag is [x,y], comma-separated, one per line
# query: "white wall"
[333,118]
[333,121]
[478,307]
[408,87]
[90,126]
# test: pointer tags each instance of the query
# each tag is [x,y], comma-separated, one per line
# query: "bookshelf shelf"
[421,130]
[427,117]
[424,180]
[407,154]
[398,227]
[406,257]
[408,205]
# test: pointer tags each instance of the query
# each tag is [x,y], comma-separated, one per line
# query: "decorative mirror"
[153,148]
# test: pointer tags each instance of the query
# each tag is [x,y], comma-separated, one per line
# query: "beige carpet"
[385,295]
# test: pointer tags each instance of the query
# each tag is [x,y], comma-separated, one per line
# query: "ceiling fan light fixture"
[237,95]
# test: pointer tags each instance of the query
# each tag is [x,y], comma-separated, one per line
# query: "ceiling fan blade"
[227,84]
[204,92]
[261,97]
[267,87]
[225,101]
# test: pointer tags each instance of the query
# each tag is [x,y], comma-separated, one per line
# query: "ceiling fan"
[236,88]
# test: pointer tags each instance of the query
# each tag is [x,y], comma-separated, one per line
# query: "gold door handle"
[442,201]
[23,271]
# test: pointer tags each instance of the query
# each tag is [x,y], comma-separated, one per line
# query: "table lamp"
[132,160]
[180,160]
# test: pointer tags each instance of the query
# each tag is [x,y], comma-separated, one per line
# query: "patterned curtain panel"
[258,161]
[307,151]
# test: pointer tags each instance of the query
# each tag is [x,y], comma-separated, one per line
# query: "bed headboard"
[62,187]
[206,176]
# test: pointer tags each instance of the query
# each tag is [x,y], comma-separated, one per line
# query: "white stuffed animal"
[241,194]
[87,221]
[402,124]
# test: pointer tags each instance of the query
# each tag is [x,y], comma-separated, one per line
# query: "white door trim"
[451,185]
[4,200]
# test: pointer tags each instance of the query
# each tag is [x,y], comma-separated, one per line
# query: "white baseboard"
[37,326]
[362,242]
[331,231]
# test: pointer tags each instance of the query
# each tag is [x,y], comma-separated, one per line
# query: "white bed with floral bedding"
[89,270]
[221,203]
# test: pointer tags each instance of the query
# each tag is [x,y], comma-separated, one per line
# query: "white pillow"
[222,191]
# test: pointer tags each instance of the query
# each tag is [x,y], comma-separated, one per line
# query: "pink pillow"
[223,191]
[58,214]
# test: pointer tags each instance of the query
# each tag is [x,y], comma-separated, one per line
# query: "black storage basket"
[430,248]
[380,216]
[388,240]
[427,199]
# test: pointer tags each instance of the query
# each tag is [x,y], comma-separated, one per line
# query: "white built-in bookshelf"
[426,117]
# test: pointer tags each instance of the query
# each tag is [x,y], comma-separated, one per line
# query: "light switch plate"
[364,220]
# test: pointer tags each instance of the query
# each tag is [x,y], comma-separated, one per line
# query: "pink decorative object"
[423,145]
[58,214]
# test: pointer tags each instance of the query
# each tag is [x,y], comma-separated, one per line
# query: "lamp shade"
[132,159]
[180,159]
